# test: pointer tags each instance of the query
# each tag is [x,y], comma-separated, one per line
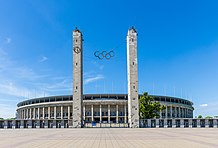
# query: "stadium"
[103,110]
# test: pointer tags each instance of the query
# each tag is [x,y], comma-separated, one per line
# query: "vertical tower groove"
[132,70]
[77,78]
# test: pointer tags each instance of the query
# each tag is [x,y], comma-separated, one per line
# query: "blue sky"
[177,47]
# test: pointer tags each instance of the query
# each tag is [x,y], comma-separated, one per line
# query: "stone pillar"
[100,113]
[173,123]
[14,124]
[34,113]
[189,113]
[46,124]
[160,114]
[55,112]
[27,111]
[109,114]
[198,123]
[165,123]
[166,112]
[149,123]
[30,117]
[24,113]
[38,113]
[184,112]
[171,111]
[68,110]
[117,114]
[61,112]
[43,113]
[92,112]
[22,124]
[190,123]
[215,123]
[125,113]
[206,123]
[181,123]
[132,70]
[176,112]
[62,124]
[29,124]
[38,124]
[180,112]
[157,123]
[77,79]
[6,124]
[54,124]
[21,114]
[49,112]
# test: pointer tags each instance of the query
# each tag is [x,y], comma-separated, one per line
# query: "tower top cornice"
[77,30]
[133,29]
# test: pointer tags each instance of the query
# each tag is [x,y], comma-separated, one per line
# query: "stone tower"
[77,78]
[132,68]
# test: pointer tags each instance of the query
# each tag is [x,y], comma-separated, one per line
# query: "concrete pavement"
[110,138]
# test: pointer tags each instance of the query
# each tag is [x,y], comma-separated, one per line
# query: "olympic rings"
[104,54]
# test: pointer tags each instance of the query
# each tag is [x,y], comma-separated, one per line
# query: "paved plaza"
[109,137]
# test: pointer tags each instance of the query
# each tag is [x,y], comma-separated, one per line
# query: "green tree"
[200,116]
[208,117]
[11,118]
[148,108]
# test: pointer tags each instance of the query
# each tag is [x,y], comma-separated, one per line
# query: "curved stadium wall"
[99,108]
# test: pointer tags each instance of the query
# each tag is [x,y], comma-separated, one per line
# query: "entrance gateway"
[132,72]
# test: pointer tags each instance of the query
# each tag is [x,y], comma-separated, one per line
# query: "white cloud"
[13,77]
[7,111]
[91,79]
[27,73]
[62,85]
[11,68]
[4,60]
[98,65]
[43,59]
[9,88]
[203,105]
[5,40]
[8,40]
[19,82]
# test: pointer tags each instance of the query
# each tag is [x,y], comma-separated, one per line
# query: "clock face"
[77,50]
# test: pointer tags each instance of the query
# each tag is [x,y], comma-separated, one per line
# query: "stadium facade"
[100,110]
[106,110]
